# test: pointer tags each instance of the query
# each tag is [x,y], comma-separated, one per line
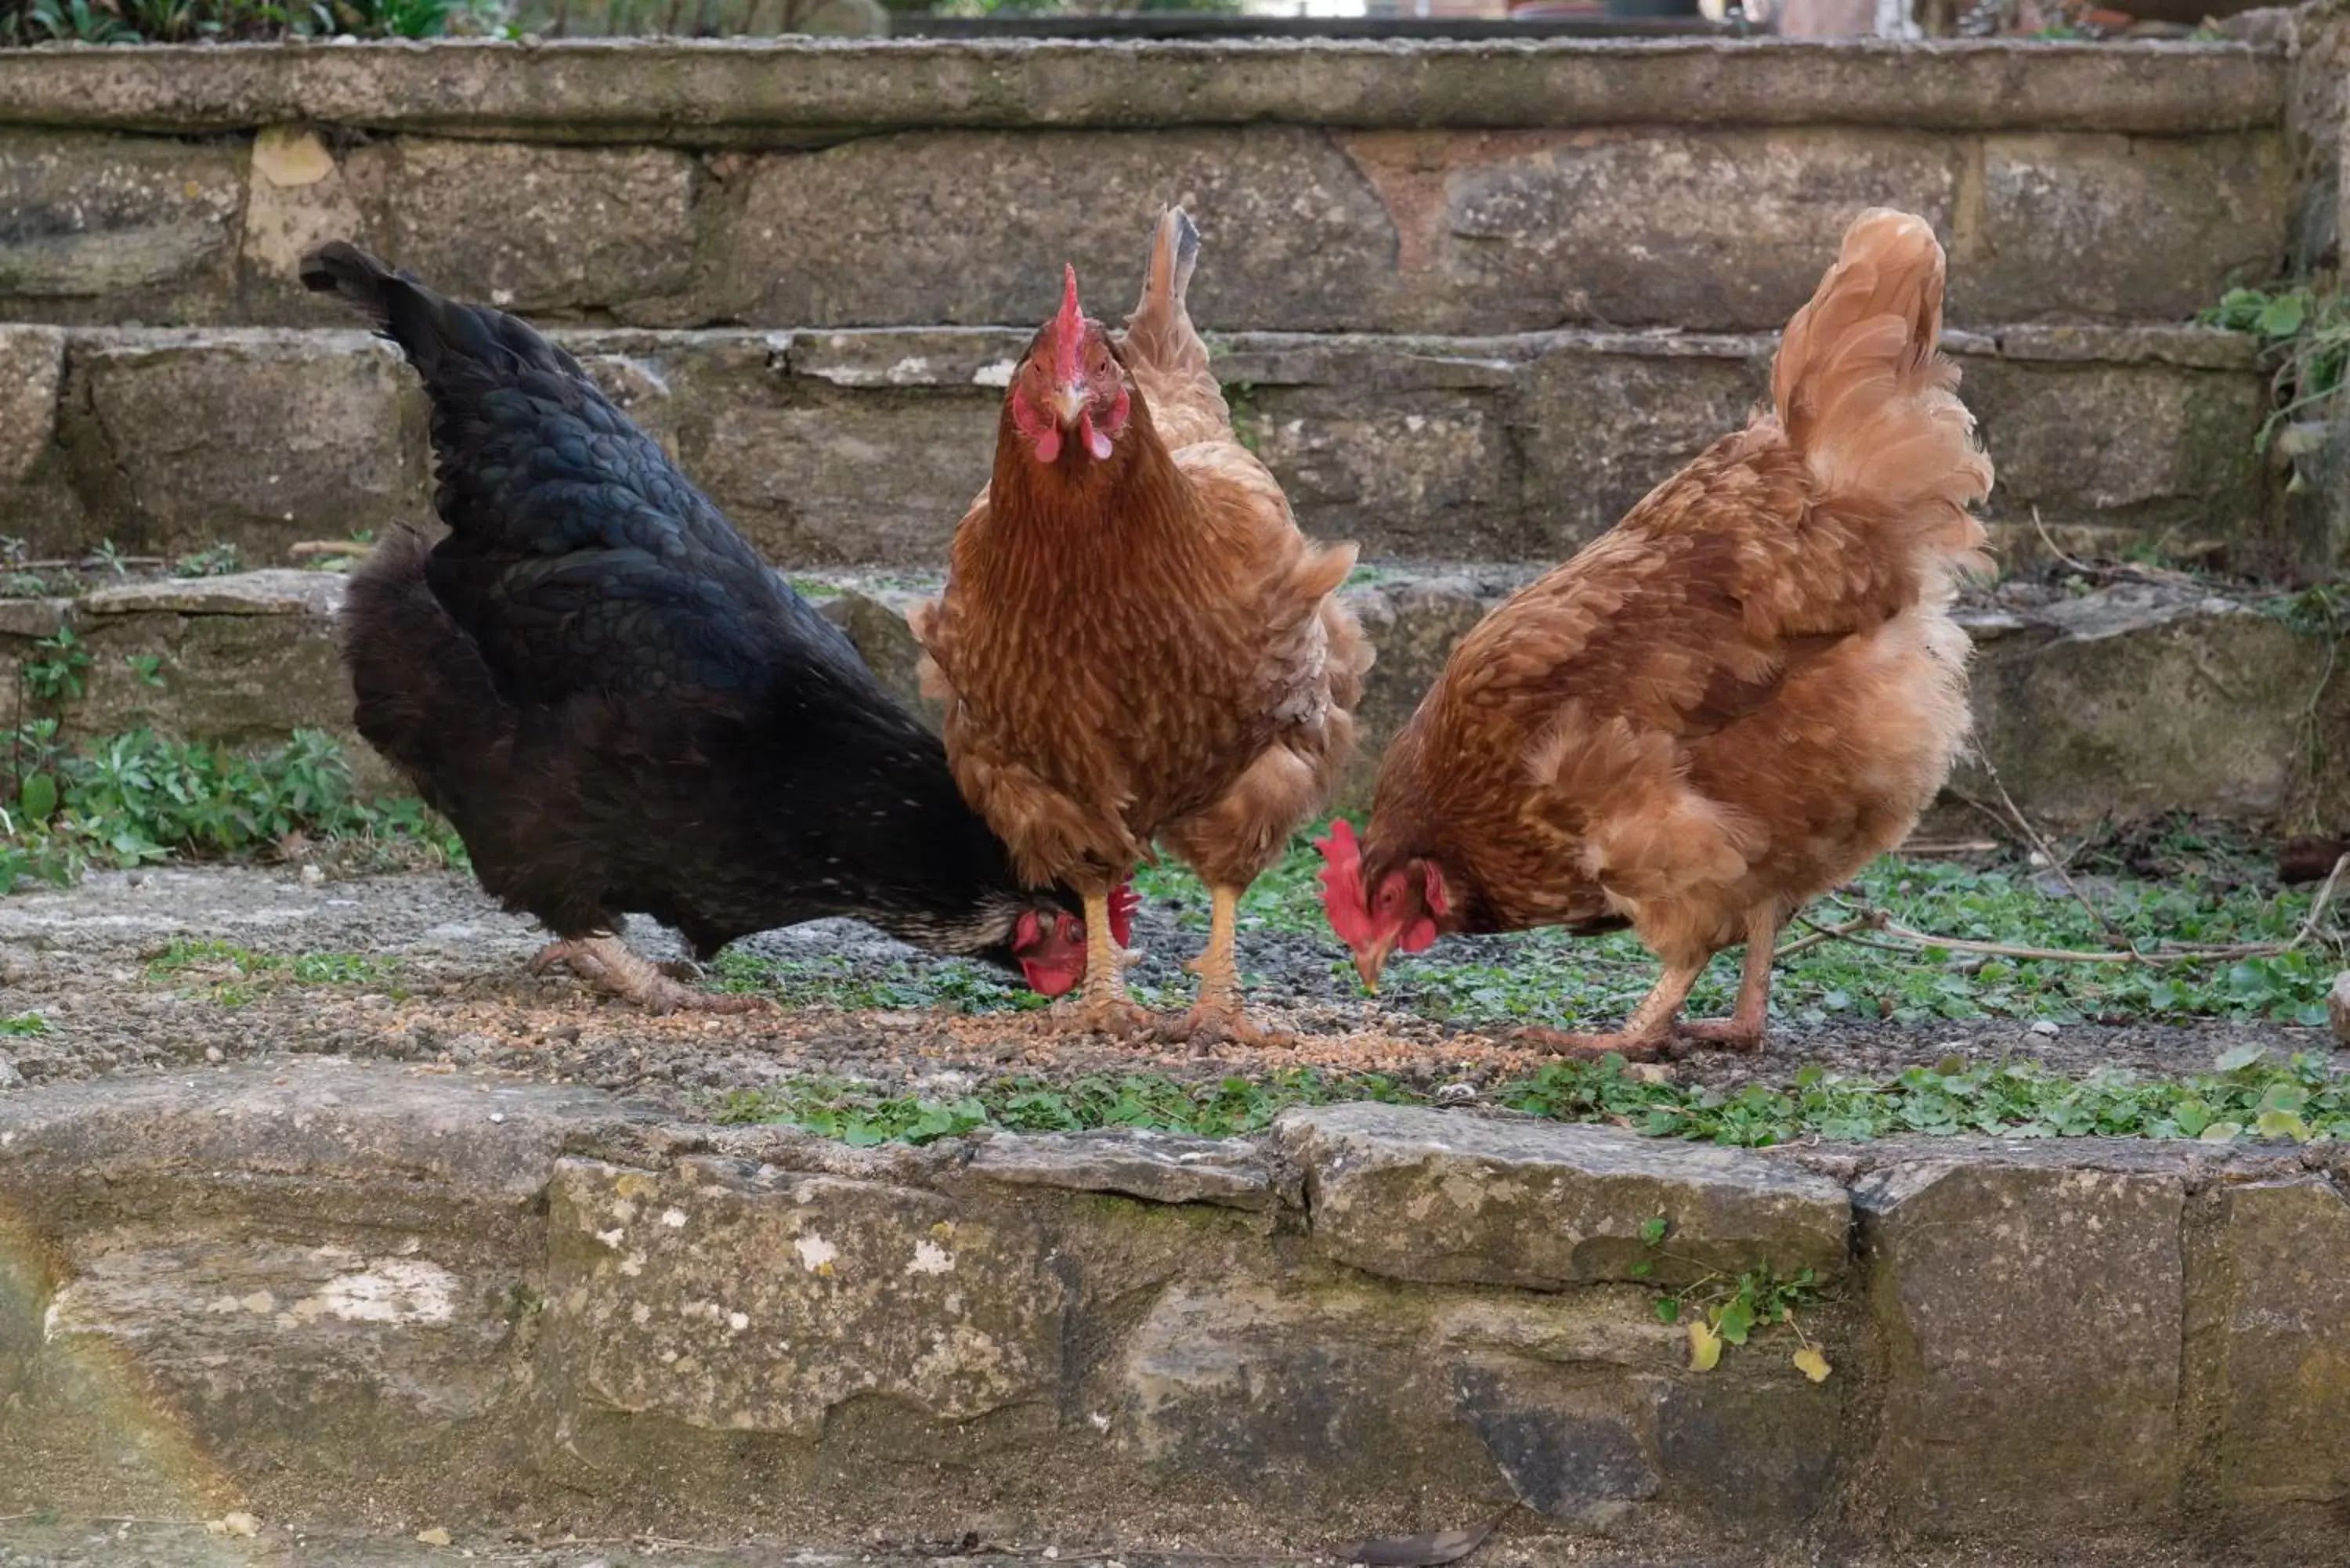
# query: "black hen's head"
[1047,944]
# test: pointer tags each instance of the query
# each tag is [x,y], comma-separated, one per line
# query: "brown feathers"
[1748,688]
[1144,644]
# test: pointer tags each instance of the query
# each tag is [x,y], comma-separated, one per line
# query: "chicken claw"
[607,965]
[1119,1017]
[1218,1017]
[1660,1047]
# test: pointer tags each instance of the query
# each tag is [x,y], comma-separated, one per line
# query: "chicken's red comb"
[1068,328]
[1123,902]
[1343,901]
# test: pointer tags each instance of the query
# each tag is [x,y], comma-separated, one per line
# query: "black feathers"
[619,705]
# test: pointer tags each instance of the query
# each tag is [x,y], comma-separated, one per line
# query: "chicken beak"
[1368,963]
[1070,401]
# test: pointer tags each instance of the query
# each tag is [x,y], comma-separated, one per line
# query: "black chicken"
[624,709]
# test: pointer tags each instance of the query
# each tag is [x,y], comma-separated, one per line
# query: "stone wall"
[457,1302]
[1475,299]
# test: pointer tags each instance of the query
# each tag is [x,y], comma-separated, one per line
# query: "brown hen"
[1135,641]
[1727,704]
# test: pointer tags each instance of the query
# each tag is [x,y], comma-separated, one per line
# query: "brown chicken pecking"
[1727,704]
[1136,642]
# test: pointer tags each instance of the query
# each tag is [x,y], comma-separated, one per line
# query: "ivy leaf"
[2238,1057]
[2281,1123]
[1737,1321]
[2221,1132]
[2282,316]
[1705,1347]
[1812,1364]
[1668,1309]
[1652,1231]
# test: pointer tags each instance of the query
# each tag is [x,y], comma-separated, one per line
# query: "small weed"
[136,798]
[56,673]
[24,1024]
[2304,334]
[195,21]
[1248,420]
[2247,1094]
[212,561]
[814,588]
[1225,1108]
[147,669]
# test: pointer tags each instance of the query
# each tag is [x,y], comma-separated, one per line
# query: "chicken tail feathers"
[1861,388]
[1160,341]
[441,337]
[1174,255]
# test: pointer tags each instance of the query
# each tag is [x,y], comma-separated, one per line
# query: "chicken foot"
[607,964]
[1217,1017]
[1653,1031]
[1103,1007]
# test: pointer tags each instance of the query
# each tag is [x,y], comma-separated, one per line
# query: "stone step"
[335,1294]
[832,448]
[2141,698]
[1488,187]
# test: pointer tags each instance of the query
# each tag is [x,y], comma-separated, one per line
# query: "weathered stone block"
[1156,1167]
[2120,227]
[1704,230]
[723,1298]
[1426,474]
[1417,1194]
[1291,1391]
[1757,1448]
[532,227]
[32,370]
[265,1279]
[875,620]
[1608,420]
[852,234]
[2181,466]
[243,659]
[180,440]
[1412,626]
[1566,1450]
[2135,695]
[2274,1311]
[137,226]
[816,477]
[298,198]
[2031,1319]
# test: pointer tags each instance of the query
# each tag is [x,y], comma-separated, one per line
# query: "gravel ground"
[456,992]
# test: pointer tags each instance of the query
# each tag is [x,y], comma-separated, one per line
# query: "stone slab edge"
[1402,1192]
[748,92]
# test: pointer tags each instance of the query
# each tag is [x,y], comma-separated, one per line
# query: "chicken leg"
[1103,1007]
[1217,1015]
[1743,1029]
[1652,1030]
[1647,1035]
[607,964]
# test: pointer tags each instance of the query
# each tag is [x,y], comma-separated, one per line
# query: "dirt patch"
[422,968]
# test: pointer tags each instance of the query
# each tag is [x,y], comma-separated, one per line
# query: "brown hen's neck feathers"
[1081,501]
